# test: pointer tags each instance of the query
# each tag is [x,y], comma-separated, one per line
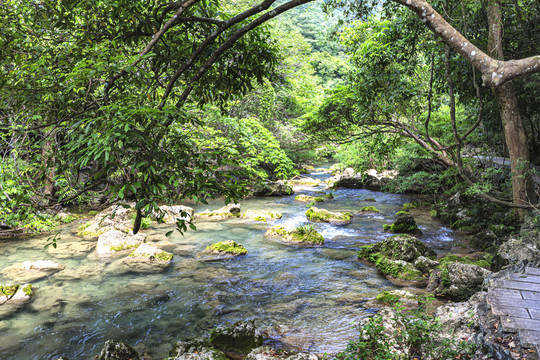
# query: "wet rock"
[308,198]
[114,241]
[115,217]
[148,258]
[370,179]
[226,248]
[288,309]
[273,188]
[118,350]
[195,350]
[229,211]
[262,215]
[303,235]
[73,249]
[459,281]
[32,270]
[404,224]
[321,215]
[240,338]
[397,247]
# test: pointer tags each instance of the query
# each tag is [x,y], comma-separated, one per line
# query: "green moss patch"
[483,260]
[228,247]
[402,213]
[408,206]
[370,209]
[321,215]
[8,290]
[404,224]
[303,235]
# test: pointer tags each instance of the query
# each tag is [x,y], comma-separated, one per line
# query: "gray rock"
[516,250]
[118,350]
[114,241]
[173,213]
[241,337]
[73,249]
[268,353]
[195,350]
[227,212]
[424,264]
[14,297]
[273,188]
[460,281]
[115,217]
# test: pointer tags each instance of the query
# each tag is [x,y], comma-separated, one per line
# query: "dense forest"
[138,106]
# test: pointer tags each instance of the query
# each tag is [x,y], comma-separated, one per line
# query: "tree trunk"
[514,131]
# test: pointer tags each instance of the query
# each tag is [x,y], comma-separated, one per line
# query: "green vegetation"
[404,224]
[370,209]
[227,247]
[322,215]
[305,234]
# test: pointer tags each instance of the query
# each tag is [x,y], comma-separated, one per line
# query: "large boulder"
[458,281]
[303,182]
[115,217]
[395,258]
[302,235]
[370,179]
[148,258]
[32,270]
[519,249]
[114,241]
[321,215]
[118,350]
[238,338]
[262,215]
[273,188]
[404,224]
[198,349]
[229,211]
[268,353]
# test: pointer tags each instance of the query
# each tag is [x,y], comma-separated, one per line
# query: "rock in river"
[148,258]
[32,270]
[114,241]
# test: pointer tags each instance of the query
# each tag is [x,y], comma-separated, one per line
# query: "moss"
[321,215]
[8,290]
[369,199]
[483,260]
[398,269]
[28,290]
[276,231]
[164,256]
[329,196]
[408,206]
[259,218]
[404,224]
[402,213]
[124,247]
[302,235]
[433,214]
[387,297]
[386,227]
[228,246]
[370,209]
[92,212]
[84,226]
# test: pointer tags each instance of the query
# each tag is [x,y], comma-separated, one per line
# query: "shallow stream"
[308,297]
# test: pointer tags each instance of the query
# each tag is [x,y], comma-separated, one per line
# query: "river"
[306,296]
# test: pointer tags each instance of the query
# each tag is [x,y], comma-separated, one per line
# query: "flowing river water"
[309,297]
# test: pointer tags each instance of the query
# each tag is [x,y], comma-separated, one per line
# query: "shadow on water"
[308,296]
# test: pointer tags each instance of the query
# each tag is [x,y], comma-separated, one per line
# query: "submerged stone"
[32,270]
[321,215]
[240,338]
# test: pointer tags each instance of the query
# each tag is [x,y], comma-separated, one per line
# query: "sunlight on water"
[312,295]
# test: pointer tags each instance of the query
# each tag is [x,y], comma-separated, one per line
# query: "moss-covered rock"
[372,209]
[118,350]
[395,296]
[457,281]
[262,215]
[402,213]
[369,200]
[306,235]
[404,224]
[273,188]
[148,258]
[408,206]
[481,259]
[229,211]
[239,338]
[308,199]
[303,181]
[199,349]
[397,247]
[115,217]
[115,241]
[321,215]
[400,272]
[228,247]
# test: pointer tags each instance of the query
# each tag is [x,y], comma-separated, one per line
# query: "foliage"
[413,334]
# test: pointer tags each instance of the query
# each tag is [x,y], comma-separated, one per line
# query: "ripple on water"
[313,295]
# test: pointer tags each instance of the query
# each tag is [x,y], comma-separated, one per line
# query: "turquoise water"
[307,297]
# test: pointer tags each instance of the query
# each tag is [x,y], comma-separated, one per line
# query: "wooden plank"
[501,301]
[516,312]
[529,338]
[532,271]
[535,313]
[505,293]
[525,278]
[530,295]
[517,285]
[520,324]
